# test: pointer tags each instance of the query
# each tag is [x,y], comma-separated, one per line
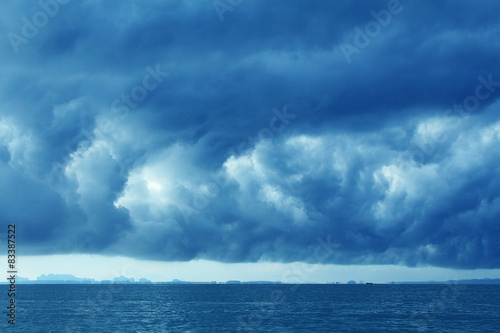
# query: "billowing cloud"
[156,130]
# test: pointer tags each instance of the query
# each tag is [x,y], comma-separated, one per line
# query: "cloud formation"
[155,130]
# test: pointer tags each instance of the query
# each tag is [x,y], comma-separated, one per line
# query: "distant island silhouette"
[71,279]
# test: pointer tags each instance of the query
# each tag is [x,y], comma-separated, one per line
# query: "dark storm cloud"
[154,129]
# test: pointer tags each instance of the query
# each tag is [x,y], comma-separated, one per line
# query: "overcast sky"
[352,133]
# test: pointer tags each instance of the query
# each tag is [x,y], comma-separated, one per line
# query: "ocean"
[253,308]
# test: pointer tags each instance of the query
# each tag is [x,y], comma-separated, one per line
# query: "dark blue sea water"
[254,308]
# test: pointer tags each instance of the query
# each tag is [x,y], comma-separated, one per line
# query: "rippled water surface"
[259,308]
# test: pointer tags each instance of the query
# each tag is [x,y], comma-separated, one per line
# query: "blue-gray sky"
[253,131]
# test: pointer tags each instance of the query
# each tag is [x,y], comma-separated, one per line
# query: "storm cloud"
[173,130]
